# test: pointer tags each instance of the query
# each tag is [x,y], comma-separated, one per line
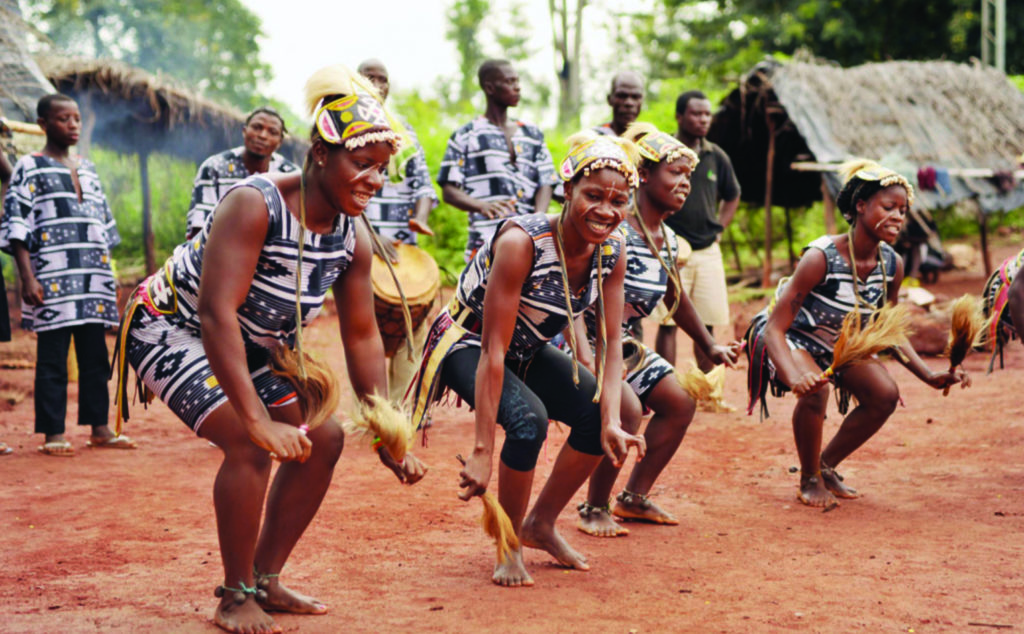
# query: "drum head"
[417,272]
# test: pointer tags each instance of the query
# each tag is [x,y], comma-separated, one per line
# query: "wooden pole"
[147,212]
[986,257]
[789,240]
[766,274]
[830,208]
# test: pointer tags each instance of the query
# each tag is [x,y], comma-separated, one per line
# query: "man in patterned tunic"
[494,166]
[59,228]
[262,135]
[398,211]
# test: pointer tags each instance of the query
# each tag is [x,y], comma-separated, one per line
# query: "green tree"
[464,19]
[209,44]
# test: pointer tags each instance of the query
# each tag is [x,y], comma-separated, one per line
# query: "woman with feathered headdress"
[652,273]
[791,342]
[217,335]
[491,346]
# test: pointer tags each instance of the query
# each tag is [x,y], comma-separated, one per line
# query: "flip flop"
[4,449]
[57,449]
[114,442]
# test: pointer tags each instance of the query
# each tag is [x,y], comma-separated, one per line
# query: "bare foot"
[547,538]
[834,483]
[246,617]
[597,521]
[813,493]
[512,573]
[281,598]
[634,506]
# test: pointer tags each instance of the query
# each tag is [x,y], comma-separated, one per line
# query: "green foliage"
[464,18]
[212,45]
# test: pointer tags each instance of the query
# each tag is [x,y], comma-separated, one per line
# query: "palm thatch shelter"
[134,112]
[786,126]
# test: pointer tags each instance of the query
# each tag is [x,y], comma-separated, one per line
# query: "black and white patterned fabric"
[68,241]
[390,208]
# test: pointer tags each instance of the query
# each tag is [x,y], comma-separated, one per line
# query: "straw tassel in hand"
[968,323]
[390,427]
[497,524]
[888,327]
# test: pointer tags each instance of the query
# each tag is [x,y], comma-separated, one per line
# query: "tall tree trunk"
[568,55]
[147,212]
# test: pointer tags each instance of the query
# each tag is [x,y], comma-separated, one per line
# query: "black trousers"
[51,384]
[533,391]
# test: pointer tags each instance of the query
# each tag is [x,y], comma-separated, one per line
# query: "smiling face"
[668,184]
[352,177]
[263,134]
[596,204]
[63,123]
[883,214]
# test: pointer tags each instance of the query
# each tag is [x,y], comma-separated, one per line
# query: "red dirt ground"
[125,541]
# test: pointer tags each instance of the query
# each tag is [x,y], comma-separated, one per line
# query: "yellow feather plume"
[337,79]
[376,417]
[695,383]
[498,526]
[966,328]
[638,129]
[318,392]
[888,327]
[851,167]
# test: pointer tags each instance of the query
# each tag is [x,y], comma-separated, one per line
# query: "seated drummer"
[398,211]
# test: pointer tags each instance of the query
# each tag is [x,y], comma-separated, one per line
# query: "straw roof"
[906,114]
[137,111]
[21,81]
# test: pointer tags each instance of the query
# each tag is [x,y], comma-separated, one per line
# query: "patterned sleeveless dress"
[163,341]
[645,285]
[542,312]
[819,320]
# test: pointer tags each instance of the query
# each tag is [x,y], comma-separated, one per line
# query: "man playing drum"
[398,211]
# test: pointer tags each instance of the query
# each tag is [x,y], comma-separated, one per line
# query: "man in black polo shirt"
[712,203]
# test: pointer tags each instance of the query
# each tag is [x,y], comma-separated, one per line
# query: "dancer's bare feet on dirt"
[547,538]
[281,598]
[245,618]
[512,573]
[598,521]
[834,483]
[813,493]
[635,506]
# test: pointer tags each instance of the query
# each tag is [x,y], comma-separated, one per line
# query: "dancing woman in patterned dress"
[491,347]
[651,273]
[791,342]
[206,324]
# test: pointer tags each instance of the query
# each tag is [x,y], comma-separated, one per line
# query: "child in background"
[59,228]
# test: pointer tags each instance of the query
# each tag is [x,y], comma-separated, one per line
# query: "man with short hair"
[710,207]
[398,211]
[626,97]
[262,135]
[494,166]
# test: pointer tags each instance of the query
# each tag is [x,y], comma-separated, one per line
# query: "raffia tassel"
[888,327]
[968,324]
[318,390]
[695,383]
[498,526]
[376,417]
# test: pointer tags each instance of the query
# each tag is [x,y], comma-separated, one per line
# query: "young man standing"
[710,207]
[59,228]
[494,166]
[262,135]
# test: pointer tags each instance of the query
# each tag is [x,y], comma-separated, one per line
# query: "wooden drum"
[420,279]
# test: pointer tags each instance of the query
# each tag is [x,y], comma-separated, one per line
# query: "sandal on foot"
[57,448]
[114,442]
[644,502]
[4,449]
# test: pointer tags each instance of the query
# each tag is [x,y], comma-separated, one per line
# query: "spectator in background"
[5,319]
[494,166]
[262,136]
[714,196]
[626,97]
[59,228]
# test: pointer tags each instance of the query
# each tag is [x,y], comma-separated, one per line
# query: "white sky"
[407,35]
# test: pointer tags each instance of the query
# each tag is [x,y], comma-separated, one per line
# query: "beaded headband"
[660,147]
[354,121]
[599,153]
[885,177]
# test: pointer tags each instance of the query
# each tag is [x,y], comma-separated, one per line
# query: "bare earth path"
[121,541]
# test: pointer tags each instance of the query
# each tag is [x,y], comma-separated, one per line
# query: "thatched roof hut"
[908,115]
[131,111]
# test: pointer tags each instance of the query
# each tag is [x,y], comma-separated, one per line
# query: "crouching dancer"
[200,333]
